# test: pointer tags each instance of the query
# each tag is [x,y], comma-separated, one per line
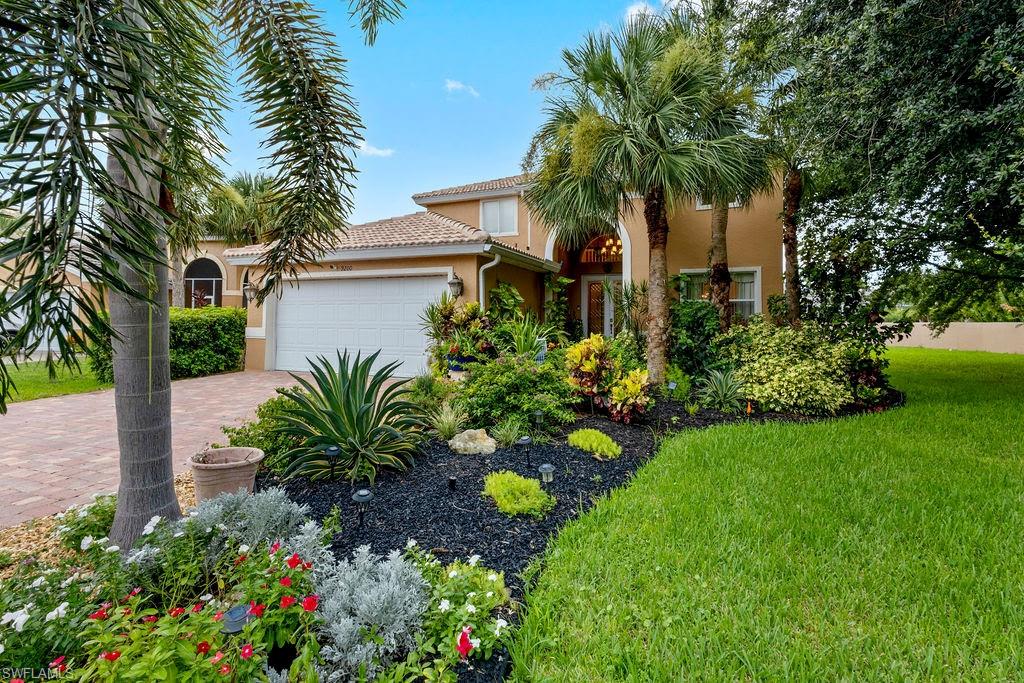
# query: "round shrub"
[516,495]
[595,442]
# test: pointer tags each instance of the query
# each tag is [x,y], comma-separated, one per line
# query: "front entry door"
[597,307]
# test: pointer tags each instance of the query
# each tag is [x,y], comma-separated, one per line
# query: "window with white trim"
[705,204]
[742,292]
[500,216]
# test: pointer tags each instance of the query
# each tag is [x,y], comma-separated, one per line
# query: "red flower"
[217,657]
[150,619]
[246,652]
[99,614]
[255,609]
[17,680]
[176,612]
[465,646]
[110,656]
[218,616]
[287,601]
[59,664]
[294,561]
[127,611]
[198,607]
[203,647]
[224,669]
[274,548]
[307,565]
[285,581]
[310,602]
[239,560]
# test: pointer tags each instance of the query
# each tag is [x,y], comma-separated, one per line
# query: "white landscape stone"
[473,441]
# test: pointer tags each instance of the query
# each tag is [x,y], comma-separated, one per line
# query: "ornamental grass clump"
[595,442]
[516,495]
[360,411]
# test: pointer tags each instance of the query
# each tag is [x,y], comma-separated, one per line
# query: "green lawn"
[33,381]
[873,548]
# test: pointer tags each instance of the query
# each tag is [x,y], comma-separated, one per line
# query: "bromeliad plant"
[360,411]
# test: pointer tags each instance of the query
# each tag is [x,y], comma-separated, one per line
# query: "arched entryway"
[597,269]
[204,283]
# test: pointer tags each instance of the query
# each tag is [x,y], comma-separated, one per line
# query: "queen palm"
[622,135]
[112,108]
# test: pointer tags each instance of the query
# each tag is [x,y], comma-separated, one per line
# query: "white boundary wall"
[997,337]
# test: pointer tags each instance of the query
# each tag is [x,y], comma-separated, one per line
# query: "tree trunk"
[142,380]
[177,281]
[792,192]
[657,313]
[720,281]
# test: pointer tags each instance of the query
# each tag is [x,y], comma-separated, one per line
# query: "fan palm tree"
[624,126]
[109,110]
[243,210]
[732,115]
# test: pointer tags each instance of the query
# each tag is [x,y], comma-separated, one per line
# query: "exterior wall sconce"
[362,499]
[455,286]
[250,290]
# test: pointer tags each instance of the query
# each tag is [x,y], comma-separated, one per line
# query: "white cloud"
[458,86]
[371,151]
[639,8]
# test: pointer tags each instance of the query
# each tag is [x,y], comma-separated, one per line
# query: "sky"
[446,93]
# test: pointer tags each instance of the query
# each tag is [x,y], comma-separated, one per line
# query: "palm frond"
[372,13]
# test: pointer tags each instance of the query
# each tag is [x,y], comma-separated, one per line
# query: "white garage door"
[321,317]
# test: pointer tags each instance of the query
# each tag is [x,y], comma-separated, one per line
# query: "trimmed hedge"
[203,341]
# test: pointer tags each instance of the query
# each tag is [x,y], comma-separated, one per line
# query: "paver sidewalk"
[55,452]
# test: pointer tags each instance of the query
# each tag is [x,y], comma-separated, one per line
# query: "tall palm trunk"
[720,281]
[142,382]
[792,193]
[657,321]
[177,280]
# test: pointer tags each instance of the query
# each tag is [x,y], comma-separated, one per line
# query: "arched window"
[603,249]
[204,284]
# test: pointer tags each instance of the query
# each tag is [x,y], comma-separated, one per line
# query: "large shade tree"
[621,131]
[110,110]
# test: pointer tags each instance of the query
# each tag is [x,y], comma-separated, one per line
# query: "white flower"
[209,529]
[498,625]
[179,534]
[411,543]
[243,548]
[452,574]
[475,642]
[83,511]
[16,619]
[151,525]
[38,582]
[86,543]
[470,608]
[206,598]
[112,548]
[490,594]
[102,540]
[473,560]
[70,580]
[58,613]
[471,594]
[444,605]
[222,527]
[492,577]
[2,648]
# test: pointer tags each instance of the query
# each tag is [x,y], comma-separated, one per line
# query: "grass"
[879,547]
[33,381]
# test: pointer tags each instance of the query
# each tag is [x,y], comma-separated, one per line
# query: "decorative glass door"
[598,303]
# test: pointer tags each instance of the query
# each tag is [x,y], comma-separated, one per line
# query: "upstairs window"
[500,216]
[704,204]
[744,291]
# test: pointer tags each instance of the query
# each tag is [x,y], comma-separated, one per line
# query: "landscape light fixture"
[525,442]
[235,619]
[538,420]
[455,286]
[362,498]
[332,453]
[451,483]
[672,387]
[547,473]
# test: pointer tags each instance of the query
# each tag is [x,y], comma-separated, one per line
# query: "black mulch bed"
[453,524]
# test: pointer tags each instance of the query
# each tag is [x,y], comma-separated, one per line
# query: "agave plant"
[360,411]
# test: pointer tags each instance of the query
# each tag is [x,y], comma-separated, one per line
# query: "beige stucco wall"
[530,284]
[996,337]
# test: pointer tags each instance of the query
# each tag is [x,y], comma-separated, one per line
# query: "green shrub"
[354,408]
[508,431]
[629,396]
[523,336]
[790,369]
[512,386]
[504,302]
[721,390]
[627,352]
[90,521]
[516,495]
[683,382]
[428,392]
[590,366]
[596,442]
[448,420]
[266,432]
[206,341]
[693,332]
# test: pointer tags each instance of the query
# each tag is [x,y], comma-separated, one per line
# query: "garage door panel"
[359,315]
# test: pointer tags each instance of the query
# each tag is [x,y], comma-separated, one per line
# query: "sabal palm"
[111,110]
[624,126]
[243,210]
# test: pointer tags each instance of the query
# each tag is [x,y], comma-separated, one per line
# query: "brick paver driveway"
[58,451]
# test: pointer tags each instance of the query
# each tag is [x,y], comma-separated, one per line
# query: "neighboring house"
[368,293]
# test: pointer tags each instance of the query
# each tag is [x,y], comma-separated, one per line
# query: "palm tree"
[243,210]
[110,107]
[732,115]
[622,127]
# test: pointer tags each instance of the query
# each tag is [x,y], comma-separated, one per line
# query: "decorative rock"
[472,442]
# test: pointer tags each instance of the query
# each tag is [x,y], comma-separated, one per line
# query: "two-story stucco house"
[368,293]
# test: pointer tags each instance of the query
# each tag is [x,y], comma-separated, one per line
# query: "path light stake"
[672,388]
[362,498]
[235,619]
[332,453]
[451,483]
[525,442]
[547,473]
[538,420]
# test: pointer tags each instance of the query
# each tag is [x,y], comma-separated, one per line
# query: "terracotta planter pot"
[224,470]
